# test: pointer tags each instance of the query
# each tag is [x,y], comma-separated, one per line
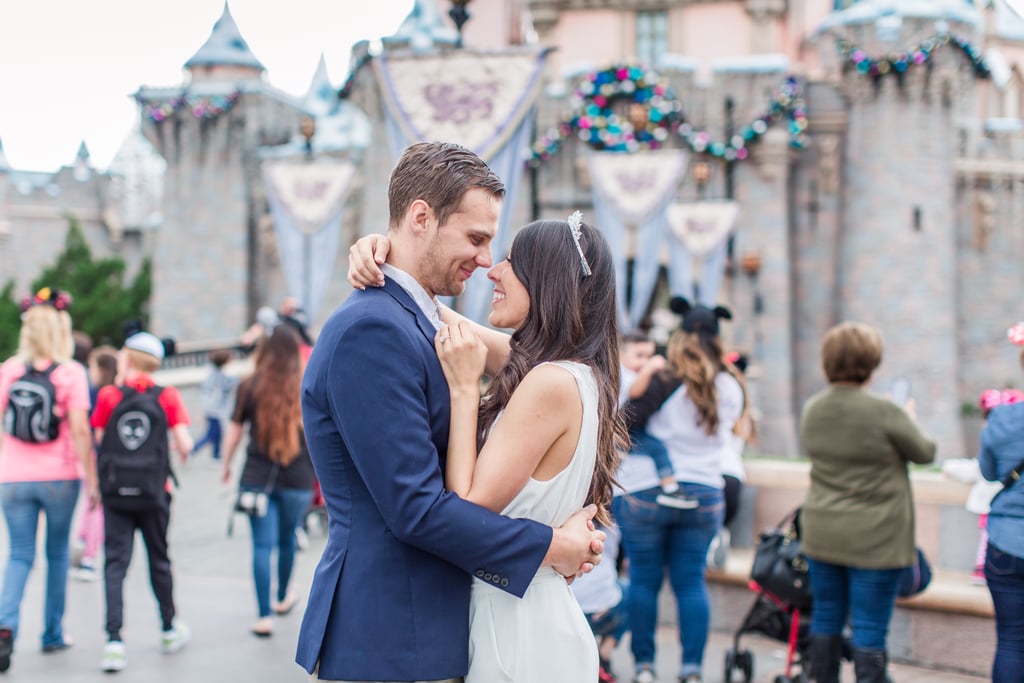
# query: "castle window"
[651,36]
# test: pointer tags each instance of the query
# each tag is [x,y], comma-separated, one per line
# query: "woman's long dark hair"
[276,395]
[571,317]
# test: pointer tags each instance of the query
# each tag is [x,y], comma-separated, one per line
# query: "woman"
[548,429]
[858,518]
[1002,452]
[692,407]
[40,470]
[278,475]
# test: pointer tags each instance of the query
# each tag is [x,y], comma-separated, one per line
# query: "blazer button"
[488,576]
[504,583]
[479,573]
[496,578]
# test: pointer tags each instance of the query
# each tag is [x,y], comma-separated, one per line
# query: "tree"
[102,303]
[10,321]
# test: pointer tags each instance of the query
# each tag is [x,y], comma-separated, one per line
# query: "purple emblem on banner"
[463,102]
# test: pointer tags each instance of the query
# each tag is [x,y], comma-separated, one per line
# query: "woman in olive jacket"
[858,518]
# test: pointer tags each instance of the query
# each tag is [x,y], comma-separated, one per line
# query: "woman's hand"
[364,259]
[462,356]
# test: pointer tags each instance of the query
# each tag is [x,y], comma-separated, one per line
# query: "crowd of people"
[490,467]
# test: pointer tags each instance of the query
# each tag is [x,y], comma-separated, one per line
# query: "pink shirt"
[56,460]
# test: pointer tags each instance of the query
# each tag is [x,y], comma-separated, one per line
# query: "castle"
[882,183]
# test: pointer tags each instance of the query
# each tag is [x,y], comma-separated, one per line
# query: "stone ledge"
[949,592]
[928,486]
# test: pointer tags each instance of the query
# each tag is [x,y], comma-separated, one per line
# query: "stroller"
[782,608]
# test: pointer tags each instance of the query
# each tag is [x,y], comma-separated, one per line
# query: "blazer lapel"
[406,301]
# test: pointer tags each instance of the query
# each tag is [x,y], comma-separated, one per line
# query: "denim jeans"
[865,596]
[1005,576]
[212,437]
[276,529]
[643,443]
[657,537]
[22,502]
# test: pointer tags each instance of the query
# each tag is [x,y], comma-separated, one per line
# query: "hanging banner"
[475,98]
[700,233]
[637,185]
[481,100]
[701,226]
[307,201]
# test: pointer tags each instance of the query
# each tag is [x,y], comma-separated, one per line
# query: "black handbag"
[779,566]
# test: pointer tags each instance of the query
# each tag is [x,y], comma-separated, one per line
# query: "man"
[390,597]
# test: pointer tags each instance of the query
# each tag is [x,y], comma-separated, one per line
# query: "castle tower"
[897,252]
[206,267]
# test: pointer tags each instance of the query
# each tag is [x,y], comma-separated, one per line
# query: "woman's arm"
[497,342]
[182,439]
[364,259]
[907,438]
[234,436]
[536,418]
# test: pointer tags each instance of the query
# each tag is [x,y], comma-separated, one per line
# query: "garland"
[897,63]
[209,107]
[654,114]
[787,103]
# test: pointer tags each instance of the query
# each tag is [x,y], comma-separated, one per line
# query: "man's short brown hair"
[439,173]
[850,352]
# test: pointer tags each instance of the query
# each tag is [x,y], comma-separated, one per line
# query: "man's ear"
[421,217]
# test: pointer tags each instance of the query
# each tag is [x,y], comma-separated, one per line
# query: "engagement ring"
[443,339]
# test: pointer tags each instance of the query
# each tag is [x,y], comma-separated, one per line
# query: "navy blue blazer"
[390,596]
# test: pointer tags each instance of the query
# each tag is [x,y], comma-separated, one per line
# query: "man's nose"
[483,258]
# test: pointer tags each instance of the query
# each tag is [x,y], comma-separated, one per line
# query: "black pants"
[733,488]
[119,537]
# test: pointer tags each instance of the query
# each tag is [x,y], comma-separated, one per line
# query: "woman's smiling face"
[511,302]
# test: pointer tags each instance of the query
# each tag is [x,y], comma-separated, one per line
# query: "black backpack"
[133,462]
[29,415]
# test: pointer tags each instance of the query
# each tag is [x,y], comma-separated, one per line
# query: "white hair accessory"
[574,221]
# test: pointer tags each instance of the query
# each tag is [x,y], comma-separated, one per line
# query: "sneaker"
[85,572]
[175,639]
[678,500]
[6,647]
[301,538]
[58,647]
[692,678]
[114,657]
[978,577]
[718,551]
[645,676]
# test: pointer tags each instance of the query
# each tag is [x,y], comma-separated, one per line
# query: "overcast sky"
[68,67]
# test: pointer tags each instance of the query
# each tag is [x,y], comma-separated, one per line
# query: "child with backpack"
[132,424]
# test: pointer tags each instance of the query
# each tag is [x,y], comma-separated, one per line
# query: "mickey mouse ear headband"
[47,296]
[699,319]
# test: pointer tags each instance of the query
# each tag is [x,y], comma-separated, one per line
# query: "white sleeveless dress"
[543,637]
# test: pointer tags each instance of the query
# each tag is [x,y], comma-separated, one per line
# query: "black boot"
[826,652]
[870,666]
